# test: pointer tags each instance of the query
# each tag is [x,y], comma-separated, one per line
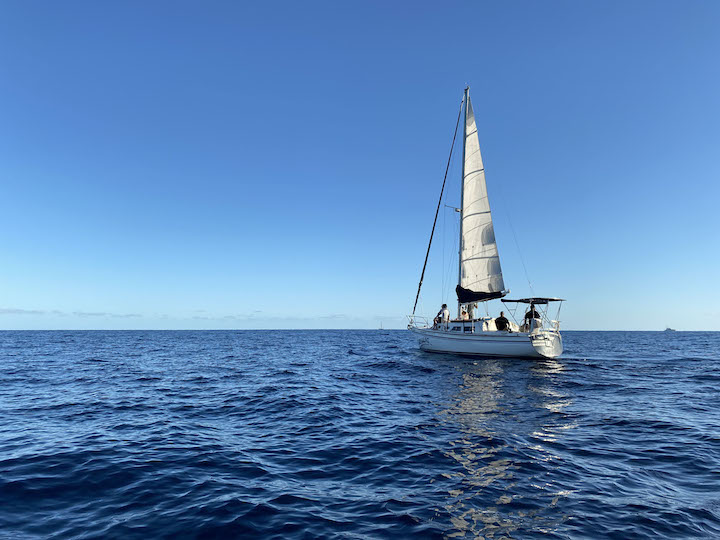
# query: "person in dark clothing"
[529,316]
[532,313]
[501,323]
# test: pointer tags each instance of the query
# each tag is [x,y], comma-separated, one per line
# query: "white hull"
[539,344]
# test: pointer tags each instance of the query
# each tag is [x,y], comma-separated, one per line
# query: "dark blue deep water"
[356,434]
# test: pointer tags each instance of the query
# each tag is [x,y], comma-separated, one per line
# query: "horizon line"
[275,329]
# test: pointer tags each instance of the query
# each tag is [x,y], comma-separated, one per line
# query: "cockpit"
[527,315]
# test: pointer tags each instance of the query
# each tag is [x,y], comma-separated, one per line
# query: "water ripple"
[354,434]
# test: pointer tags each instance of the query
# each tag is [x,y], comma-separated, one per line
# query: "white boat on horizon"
[480,277]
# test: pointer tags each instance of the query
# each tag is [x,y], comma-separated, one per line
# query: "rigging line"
[453,260]
[427,254]
[442,248]
[446,272]
[522,259]
[447,267]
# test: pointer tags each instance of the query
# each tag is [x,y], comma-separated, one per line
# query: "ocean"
[356,434]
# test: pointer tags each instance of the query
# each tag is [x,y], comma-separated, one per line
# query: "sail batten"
[480,275]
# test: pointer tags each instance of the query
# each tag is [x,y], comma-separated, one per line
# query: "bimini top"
[535,300]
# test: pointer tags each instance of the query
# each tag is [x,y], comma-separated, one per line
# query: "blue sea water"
[356,434]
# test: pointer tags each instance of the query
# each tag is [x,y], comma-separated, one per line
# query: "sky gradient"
[277,165]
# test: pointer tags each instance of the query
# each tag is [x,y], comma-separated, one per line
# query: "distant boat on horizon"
[480,277]
[668,329]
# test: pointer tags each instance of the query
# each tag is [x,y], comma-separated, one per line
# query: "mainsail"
[480,274]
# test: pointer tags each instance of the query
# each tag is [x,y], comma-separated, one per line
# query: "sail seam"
[476,214]
[481,257]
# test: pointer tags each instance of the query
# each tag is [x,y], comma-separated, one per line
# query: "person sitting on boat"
[464,316]
[501,323]
[529,316]
[443,316]
[532,313]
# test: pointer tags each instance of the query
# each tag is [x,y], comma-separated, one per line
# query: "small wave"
[355,434]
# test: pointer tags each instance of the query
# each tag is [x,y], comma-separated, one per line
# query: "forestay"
[480,272]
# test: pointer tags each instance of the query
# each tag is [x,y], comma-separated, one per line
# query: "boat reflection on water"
[508,413]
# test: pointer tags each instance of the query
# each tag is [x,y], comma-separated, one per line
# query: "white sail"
[479,262]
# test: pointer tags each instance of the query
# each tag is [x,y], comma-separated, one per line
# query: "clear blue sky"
[271,165]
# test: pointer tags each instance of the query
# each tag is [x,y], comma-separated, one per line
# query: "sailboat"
[480,277]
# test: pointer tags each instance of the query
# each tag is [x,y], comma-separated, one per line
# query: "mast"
[462,194]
